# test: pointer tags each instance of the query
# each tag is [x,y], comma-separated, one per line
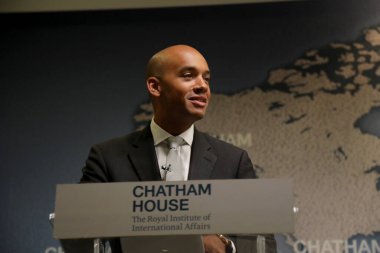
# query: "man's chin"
[198,116]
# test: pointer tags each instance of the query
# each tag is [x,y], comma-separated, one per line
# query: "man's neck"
[160,134]
[173,127]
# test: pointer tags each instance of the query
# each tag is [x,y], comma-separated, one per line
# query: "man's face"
[184,84]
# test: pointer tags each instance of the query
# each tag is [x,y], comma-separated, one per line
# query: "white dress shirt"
[162,149]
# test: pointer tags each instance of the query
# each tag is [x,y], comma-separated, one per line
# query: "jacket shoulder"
[119,143]
[219,144]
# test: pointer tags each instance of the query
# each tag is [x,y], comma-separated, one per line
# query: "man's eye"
[187,75]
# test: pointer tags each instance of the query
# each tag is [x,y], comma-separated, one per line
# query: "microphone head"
[166,168]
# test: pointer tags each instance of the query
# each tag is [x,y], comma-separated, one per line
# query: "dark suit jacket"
[133,158]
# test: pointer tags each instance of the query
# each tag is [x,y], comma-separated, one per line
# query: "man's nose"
[202,86]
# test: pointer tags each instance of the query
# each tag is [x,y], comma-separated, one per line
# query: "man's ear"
[154,86]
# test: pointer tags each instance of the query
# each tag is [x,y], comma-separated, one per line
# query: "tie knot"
[175,142]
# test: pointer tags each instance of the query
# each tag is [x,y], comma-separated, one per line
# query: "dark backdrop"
[69,80]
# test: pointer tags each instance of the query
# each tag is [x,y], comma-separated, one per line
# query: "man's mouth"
[199,100]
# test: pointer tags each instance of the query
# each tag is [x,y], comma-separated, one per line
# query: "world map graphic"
[317,121]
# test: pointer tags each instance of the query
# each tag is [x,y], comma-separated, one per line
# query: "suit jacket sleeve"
[245,167]
[95,169]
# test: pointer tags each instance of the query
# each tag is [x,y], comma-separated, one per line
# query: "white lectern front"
[106,210]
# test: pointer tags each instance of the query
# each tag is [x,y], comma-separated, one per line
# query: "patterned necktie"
[174,170]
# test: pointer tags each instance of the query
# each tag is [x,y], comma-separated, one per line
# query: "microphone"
[166,169]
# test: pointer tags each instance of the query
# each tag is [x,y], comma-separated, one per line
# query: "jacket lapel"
[202,159]
[143,156]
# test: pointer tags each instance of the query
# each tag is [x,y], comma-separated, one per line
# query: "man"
[178,80]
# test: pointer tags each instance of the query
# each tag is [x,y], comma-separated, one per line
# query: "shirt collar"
[159,134]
